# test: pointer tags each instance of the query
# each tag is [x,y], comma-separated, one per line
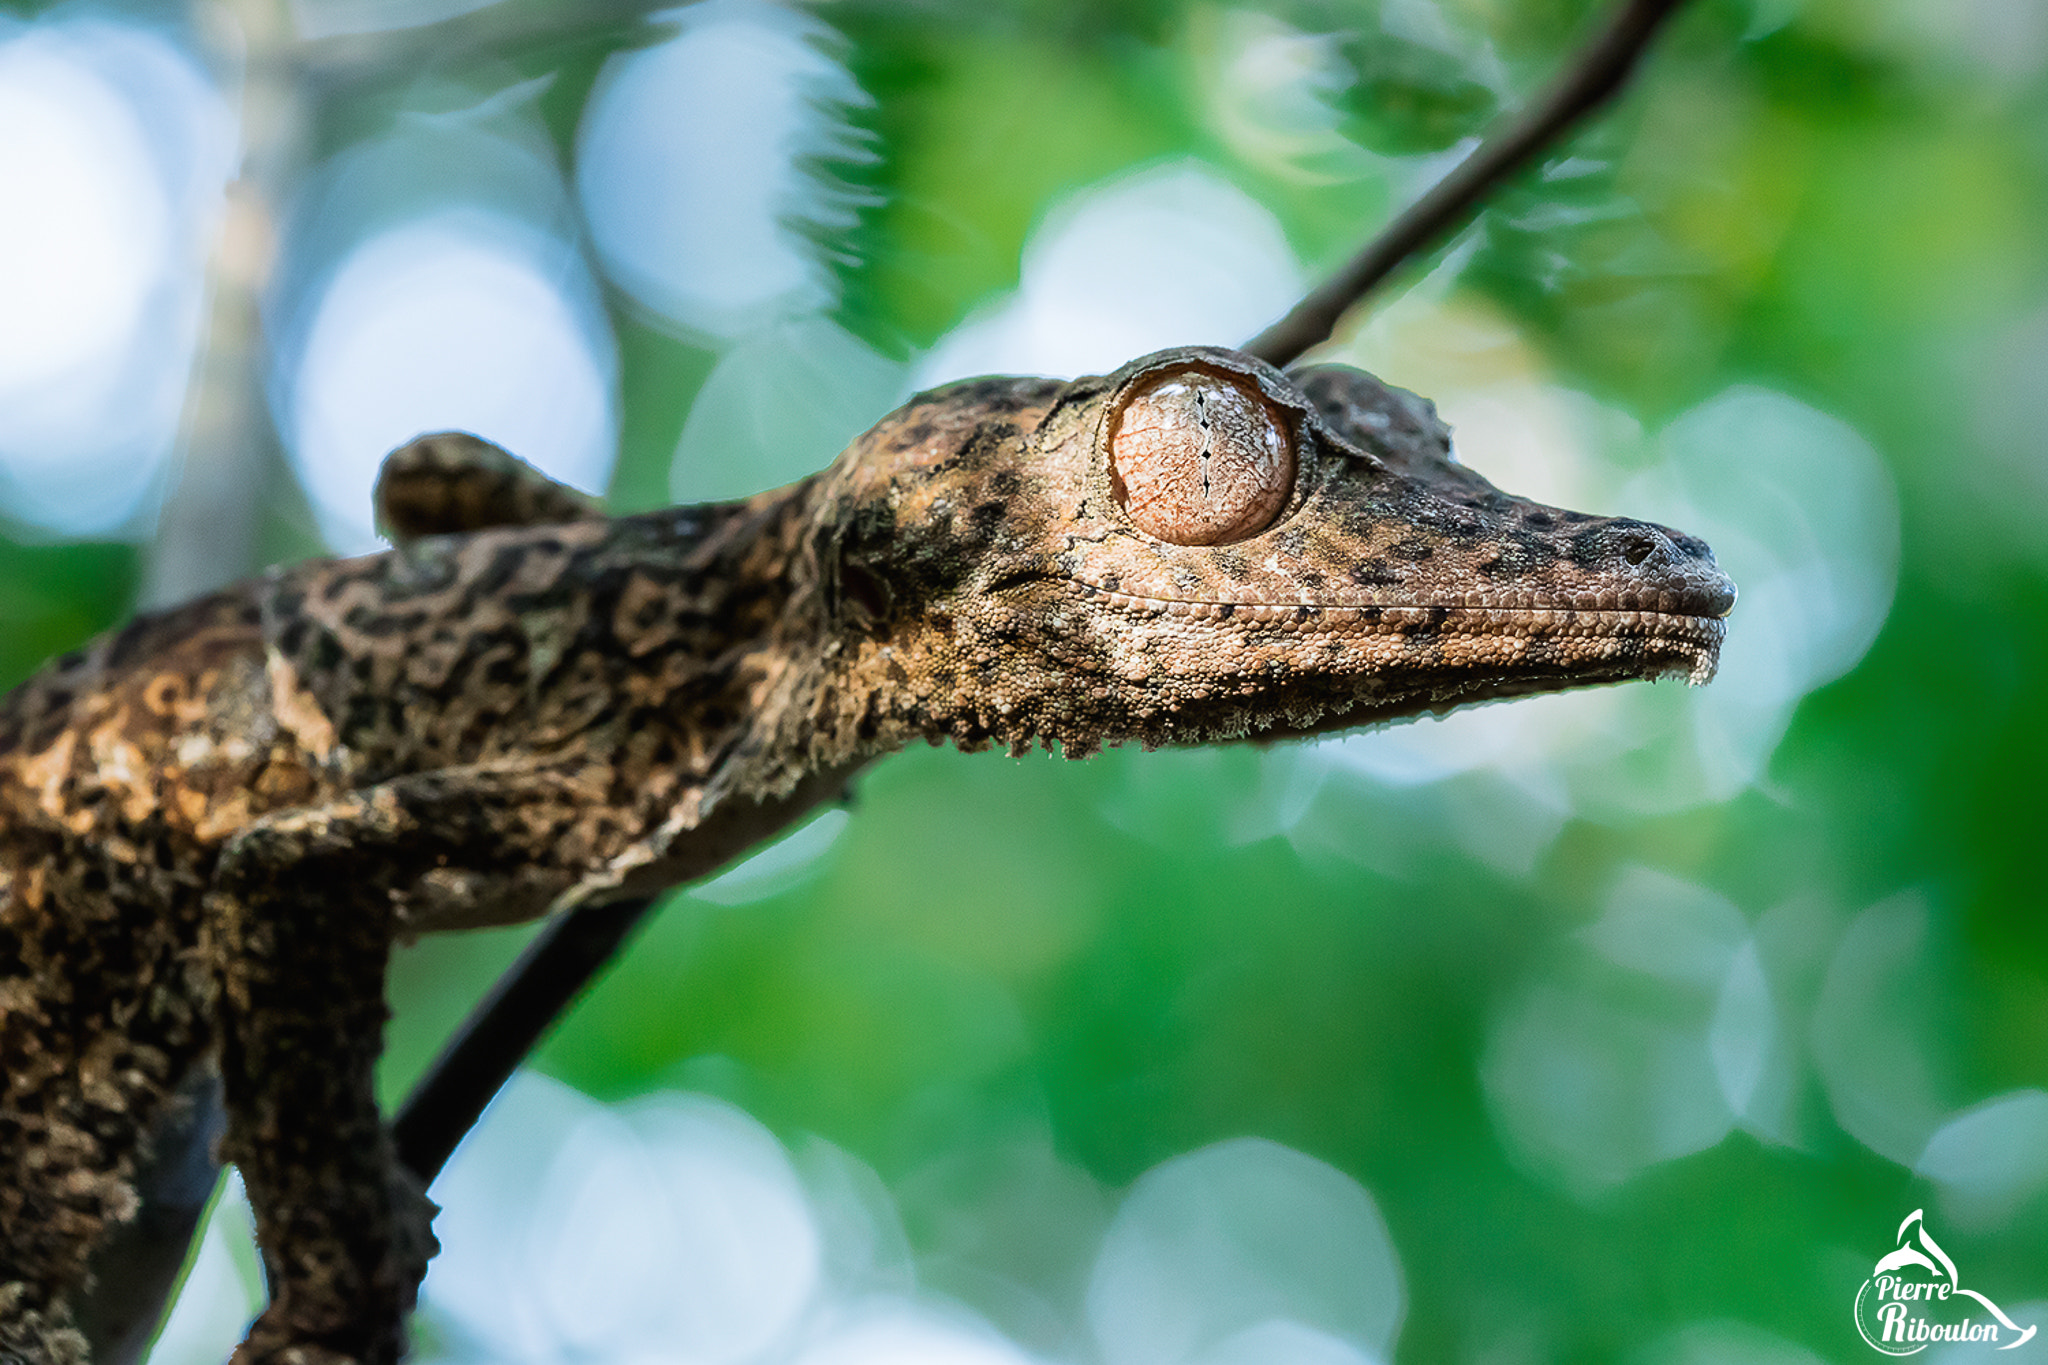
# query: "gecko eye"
[1199,459]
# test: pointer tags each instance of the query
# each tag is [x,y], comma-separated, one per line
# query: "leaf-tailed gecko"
[215,822]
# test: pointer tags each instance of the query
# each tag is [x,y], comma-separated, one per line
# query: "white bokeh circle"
[455,321]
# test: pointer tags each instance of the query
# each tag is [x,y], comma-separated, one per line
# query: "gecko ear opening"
[1198,457]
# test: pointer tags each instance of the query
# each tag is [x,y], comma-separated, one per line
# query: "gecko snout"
[1664,570]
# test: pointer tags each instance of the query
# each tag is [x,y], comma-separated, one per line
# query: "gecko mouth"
[1677,632]
[1686,603]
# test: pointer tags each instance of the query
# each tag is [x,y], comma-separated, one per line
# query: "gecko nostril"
[1637,546]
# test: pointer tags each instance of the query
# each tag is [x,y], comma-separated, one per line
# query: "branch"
[500,1031]
[1599,71]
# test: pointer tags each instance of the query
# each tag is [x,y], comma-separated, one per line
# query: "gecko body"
[215,821]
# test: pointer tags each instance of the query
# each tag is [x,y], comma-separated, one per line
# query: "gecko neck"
[827,686]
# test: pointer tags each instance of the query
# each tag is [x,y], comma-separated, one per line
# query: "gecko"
[217,820]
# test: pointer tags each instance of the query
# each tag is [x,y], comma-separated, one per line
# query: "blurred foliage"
[57,597]
[1842,202]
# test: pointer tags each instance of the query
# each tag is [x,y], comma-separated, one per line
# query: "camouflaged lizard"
[215,822]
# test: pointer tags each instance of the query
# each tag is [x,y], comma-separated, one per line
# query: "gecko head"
[1199,547]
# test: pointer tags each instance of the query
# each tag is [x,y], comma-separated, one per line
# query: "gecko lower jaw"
[1672,606]
[1607,643]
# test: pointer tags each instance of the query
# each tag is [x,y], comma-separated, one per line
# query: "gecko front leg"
[305,909]
[442,484]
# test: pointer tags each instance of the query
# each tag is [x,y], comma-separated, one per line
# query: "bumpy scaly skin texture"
[214,822]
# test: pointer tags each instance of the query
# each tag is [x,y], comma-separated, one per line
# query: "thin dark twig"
[1593,78]
[501,1030]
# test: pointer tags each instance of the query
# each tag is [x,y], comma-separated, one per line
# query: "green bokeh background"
[1838,200]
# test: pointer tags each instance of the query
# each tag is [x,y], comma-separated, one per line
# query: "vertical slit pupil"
[1199,458]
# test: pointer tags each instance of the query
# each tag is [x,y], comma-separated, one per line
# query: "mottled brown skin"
[215,822]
